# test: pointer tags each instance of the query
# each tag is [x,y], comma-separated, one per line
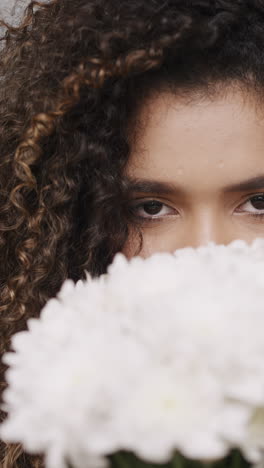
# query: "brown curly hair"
[73,75]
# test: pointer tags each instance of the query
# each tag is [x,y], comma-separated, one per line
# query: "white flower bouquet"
[158,362]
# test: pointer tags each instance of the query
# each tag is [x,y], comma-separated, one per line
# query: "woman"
[126,126]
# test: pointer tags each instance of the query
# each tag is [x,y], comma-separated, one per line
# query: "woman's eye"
[254,205]
[151,209]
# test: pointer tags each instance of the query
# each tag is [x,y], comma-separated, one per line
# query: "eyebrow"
[155,186]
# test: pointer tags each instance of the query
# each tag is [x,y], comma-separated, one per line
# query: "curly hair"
[73,75]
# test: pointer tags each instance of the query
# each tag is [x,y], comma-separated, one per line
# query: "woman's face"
[198,172]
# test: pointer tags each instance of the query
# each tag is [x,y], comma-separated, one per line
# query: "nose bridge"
[207,225]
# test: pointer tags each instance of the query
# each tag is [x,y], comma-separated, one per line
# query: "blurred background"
[10,10]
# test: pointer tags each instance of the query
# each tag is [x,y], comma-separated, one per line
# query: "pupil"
[152,208]
[258,202]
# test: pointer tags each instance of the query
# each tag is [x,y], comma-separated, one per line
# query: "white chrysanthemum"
[160,354]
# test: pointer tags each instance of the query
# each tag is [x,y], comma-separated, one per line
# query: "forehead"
[209,140]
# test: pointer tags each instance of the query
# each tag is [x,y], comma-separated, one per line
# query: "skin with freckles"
[210,153]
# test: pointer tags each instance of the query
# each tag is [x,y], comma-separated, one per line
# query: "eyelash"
[148,218]
[258,217]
